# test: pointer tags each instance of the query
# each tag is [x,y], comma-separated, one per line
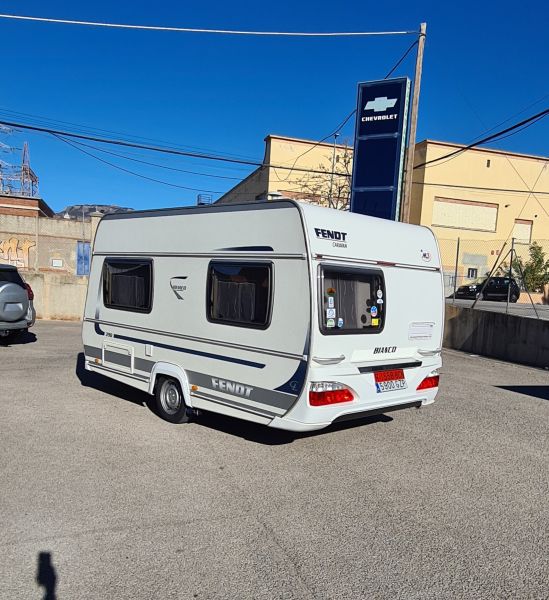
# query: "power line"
[344,122]
[476,187]
[173,151]
[487,139]
[400,61]
[152,164]
[115,166]
[512,116]
[46,121]
[336,131]
[215,31]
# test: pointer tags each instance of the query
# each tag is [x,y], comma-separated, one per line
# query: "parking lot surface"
[101,499]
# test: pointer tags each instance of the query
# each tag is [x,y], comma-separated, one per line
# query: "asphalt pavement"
[101,499]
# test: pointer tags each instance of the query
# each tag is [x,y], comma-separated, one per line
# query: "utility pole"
[330,195]
[407,200]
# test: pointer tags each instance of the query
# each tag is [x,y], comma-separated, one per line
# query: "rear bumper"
[352,415]
[367,398]
[13,325]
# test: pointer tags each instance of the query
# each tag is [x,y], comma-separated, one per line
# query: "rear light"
[431,381]
[30,293]
[322,393]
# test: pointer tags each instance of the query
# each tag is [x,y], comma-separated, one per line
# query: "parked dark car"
[17,312]
[496,289]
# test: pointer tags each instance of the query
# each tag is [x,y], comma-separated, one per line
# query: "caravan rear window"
[352,300]
[127,284]
[239,293]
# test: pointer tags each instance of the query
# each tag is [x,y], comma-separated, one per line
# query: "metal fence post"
[510,273]
[455,272]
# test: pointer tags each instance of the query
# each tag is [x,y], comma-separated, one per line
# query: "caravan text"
[231,387]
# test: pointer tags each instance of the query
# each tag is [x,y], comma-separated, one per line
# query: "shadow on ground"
[109,386]
[23,338]
[259,434]
[536,391]
[46,577]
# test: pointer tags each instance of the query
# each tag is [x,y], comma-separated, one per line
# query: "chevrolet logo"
[380,104]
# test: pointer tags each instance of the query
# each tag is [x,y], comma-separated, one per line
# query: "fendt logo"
[380,104]
[231,387]
[339,237]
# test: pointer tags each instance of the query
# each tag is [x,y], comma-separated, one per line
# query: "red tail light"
[323,393]
[30,293]
[429,382]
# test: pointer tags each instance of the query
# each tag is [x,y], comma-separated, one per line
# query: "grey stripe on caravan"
[118,359]
[257,394]
[93,352]
[217,208]
[237,255]
[231,403]
[260,395]
[190,338]
[134,376]
[139,363]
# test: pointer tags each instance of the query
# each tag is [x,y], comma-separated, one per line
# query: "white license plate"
[390,381]
[391,386]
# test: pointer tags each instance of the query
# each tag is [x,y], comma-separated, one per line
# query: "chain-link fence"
[467,262]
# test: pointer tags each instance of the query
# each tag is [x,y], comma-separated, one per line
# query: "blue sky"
[484,61]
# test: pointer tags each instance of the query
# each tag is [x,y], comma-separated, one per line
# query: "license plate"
[390,381]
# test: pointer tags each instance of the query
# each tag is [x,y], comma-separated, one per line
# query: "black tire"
[513,298]
[11,337]
[169,401]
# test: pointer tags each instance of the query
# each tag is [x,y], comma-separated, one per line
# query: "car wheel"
[170,403]
[513,298]
[8,339]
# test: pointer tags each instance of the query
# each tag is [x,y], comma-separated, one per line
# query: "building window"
[240,293]
[127,284]
[83,255]
[472,273]
[351,301]
[522,231]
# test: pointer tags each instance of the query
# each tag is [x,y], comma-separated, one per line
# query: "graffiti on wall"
[16,252]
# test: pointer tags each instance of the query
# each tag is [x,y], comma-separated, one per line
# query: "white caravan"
[280,313]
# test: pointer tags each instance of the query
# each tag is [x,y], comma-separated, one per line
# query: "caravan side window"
[239,293]
[127,284]
[352,300]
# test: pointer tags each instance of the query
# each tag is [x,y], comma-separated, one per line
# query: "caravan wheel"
[170,403]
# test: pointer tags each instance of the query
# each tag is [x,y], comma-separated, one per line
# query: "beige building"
[298,169]
[483,197]
[486,198]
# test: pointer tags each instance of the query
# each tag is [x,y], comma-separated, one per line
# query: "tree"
[535,270]
[325,189]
